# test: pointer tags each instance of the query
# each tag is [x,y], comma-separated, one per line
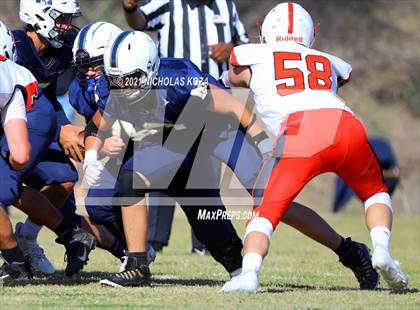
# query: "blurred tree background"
[379,38]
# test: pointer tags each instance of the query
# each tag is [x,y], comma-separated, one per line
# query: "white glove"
[92,167]
[265,147]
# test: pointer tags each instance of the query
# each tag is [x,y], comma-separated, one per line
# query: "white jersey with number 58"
[288,78]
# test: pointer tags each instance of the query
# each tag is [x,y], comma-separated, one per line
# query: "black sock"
[344,247]
[13,255]
[136,259]
[117,249]
[63,227]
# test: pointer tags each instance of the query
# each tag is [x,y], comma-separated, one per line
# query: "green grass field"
[297,274]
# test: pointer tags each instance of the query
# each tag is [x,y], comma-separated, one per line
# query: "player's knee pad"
[382,198]
[131,187]
[228,254]
[260,224]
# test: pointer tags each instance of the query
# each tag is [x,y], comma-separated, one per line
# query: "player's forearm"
[17,139]
[93,143]
[94,130]
[135,18]
[225,103]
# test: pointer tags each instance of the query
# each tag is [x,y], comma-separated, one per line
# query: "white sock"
[380,235]
[30,230]
[252,261]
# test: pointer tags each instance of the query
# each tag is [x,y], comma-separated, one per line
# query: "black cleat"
[200,250]
[136,273]
[138,276]
[12,273]
[359,261]
[78,243]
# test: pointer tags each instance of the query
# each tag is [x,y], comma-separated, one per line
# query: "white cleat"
[151,256]
[246,282]
[31,249]
[389,268]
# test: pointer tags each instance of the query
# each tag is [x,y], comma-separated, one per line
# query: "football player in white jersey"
[294,89]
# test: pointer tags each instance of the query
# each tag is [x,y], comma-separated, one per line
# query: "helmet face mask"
[89,47]
[131,64]
[134,80]
[128,90]
[84,63]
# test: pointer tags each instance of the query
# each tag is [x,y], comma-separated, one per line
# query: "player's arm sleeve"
[248,54]
[16,108]
[153,11]
[342,69]
[239,34]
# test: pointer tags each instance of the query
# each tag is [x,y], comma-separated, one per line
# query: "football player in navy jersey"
[153,162]
[44,47]
[20,91]
[86,90]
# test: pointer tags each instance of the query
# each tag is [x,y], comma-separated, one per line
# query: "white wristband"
[225,78]
[91,155]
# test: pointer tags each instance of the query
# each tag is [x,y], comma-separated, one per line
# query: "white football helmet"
[89,46]
[50,18]
[131,61]
[288,22]
[7,43]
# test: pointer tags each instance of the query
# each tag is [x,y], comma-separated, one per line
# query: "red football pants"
[314,142]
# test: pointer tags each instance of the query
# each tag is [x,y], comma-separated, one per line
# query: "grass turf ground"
[297,274]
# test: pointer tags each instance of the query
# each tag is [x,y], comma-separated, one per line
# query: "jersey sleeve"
[30,93]
[15,109]
[18,77]
[248,54]
[342,69]
[153,11]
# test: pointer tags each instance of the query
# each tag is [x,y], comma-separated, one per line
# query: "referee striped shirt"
[187,27]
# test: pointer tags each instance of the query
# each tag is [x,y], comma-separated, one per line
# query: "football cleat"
[358,260]
[31,249]
[78,243]
[246,282]
[151,256]
[137,276]
[11,273]
[389,268]
[200,250]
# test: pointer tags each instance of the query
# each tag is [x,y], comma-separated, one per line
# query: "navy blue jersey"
[48,67]
[179,82]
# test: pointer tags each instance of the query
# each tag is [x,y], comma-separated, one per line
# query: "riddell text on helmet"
[289,38]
